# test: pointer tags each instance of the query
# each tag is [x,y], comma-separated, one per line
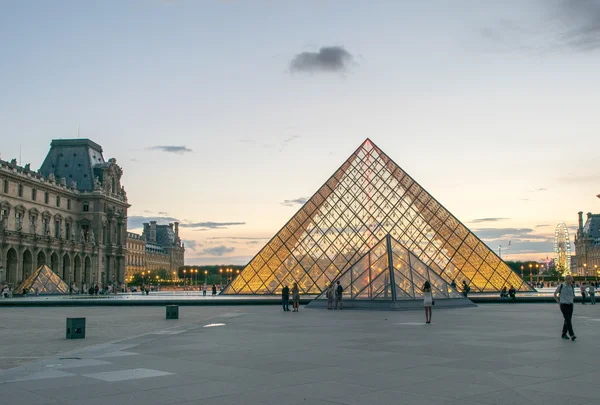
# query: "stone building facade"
[587,246]
[70,215]
[161,247]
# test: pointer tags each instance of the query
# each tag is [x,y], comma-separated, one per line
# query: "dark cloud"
[541,226]
[210,225]
[191,244]
[170,149]
[581,19]
[218,250]
[252,242]
[137,221]
[296,201]
[328,59]
[479,220]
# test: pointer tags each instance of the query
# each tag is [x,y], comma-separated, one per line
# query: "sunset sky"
[226,115]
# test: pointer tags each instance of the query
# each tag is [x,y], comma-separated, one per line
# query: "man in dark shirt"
[285,298]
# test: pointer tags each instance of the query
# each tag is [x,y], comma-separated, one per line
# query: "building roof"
[591,228]
[73,159]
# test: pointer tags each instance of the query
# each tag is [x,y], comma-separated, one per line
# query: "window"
[86,206]
[32,225]
[5,186]
[68,204]
[67,231]
[19,221]
[58,201]
[46,197]
[46,225]
[33,194]
[20,190]
[57,228]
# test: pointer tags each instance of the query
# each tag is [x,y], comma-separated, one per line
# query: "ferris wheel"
[562,249]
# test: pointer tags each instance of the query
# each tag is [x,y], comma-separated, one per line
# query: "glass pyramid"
[390,272]
[46,281]
[368,197]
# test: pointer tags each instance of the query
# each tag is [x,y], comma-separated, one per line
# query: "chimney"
[153,231]
[580,230]
[176,230]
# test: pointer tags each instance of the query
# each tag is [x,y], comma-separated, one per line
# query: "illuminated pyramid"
[46,281]
[390,276]
[368,197]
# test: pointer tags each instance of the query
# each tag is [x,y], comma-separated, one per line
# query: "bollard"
[172,311]
[75,328]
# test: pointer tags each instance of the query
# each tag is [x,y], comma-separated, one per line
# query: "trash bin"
[75,328]
[172,311]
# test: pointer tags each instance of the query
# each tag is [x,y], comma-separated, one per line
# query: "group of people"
[285,297]
[588,289]
[511,293]
[214,289]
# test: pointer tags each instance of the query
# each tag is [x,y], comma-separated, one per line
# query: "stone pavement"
[492,354]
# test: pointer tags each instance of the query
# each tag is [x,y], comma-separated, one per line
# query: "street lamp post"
[184,280]
[522,267]
[585,270]
[530,273]
[221,275]
[596,272]
[205,276]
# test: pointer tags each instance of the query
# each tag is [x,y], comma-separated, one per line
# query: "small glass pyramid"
[390,272]
[368,197]
[46,281]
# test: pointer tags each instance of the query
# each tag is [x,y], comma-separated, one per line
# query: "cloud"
[210,225]
[218,250]
[163,213]
[541,226]
[133,160]
[235,238]
[561,25]
[537,190]
[479,220]
[296,201]
[331,59]
[191,244]
[137,221]
[507,233]
[285,143]
[170,149]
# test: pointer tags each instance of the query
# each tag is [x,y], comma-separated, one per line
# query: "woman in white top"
[427,301]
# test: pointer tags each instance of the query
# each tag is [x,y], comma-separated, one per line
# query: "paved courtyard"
[493,354]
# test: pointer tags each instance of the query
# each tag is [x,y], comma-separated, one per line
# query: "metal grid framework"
[46,281]
[368,197]
[390,272]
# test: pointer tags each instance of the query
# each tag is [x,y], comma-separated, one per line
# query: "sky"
[226,115]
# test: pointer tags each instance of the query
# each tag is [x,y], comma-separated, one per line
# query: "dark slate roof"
[73,159]
[592,226]
[165,235]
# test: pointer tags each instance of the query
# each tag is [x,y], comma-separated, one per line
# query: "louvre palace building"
[70,215]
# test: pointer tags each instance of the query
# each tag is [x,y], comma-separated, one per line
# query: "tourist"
[5,291]
[339,291]
[453,284]
[37,292]
[582,289]
[427,301]
[503,293]
[214,290]
[285,298]
[329,295]
[466,288]
[512,293]
[295,297]
[564,296]
[592,292]
[204,289]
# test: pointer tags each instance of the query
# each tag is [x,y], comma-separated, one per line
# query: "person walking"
[466,288]
[295,297]
[339,292]
[427,301]
[329,295]
[204,289]
[214,290]
[592,292]
[582,289]
[564,296]
[285,298]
